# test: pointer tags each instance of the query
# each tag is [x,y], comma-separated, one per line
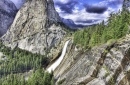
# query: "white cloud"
[58,9]
[62,1]
[82,15]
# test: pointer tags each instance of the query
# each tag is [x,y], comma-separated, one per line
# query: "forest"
[16,62]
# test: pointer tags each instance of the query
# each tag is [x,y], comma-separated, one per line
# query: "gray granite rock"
[102,65]
[37,27]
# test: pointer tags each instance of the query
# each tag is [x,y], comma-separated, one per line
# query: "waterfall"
[58,61]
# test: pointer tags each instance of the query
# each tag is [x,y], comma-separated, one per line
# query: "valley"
[39,47]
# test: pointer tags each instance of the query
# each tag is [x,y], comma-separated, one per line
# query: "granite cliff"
[37,27]
[108,64]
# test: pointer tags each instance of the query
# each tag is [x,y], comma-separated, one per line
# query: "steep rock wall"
[37,27]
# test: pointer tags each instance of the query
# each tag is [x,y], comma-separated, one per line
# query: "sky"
[83,12]
[18,3]
[87,12]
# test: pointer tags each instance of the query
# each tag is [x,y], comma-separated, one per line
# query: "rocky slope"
[7,14]
[108,64]
[37,27]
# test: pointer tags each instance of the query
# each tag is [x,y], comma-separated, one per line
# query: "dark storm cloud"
[67,7]
[95,9]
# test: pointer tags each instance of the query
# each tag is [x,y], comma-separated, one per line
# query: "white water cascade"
[58,61]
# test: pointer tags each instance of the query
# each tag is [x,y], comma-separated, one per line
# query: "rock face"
[7,14]
[37,27]
[108,64]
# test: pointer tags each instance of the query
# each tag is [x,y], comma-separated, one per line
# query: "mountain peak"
[52,15]
[36,27]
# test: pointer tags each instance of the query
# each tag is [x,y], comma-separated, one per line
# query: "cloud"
[95,8]
[112,3]
[82,12]
[115,2]
[66,7]
[85,18]
[62,1]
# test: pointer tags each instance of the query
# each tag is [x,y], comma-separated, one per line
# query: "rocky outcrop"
[108,64]
[37,27]
[7,14]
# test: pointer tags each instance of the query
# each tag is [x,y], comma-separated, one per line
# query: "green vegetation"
[111,81]
[16,62]
[116,28]
[19,61]
[39,77]
[107,71]
[61,81]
